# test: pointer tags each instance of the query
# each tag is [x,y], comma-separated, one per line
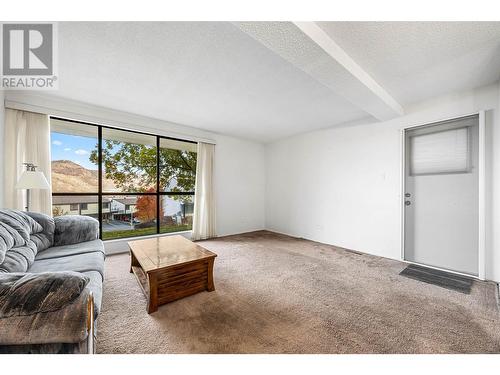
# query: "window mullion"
[158,218]
[99,177]
[174,204]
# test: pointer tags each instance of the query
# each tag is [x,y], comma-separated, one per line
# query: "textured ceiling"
[415,61]
[320,57]
[207,75]
[219,77]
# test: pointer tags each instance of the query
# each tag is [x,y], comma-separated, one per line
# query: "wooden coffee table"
[170,267]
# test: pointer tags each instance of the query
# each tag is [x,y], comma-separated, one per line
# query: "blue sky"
[72,147]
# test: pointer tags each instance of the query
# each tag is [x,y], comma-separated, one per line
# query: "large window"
[135,184]
[177,173]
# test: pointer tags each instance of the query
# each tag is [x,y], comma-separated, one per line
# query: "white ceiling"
[217,76]
[206,75]
[415,61]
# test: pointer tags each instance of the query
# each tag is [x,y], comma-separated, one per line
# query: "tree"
[146,207]
[132,167]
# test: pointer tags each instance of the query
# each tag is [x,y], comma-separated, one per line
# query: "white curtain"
[27,140]
[204,199]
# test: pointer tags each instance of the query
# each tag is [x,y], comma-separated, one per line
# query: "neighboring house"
[112,209]
[123,208]
[177,211]
[78,205]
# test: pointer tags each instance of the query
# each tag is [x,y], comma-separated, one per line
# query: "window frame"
[158,194]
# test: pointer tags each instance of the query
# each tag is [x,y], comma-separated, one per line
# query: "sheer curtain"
[204,200]
[27,139]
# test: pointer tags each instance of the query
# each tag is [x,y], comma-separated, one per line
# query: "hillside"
[69,177]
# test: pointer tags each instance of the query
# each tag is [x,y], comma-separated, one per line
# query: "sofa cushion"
[66,250]
[21,222]
[18,240]
[24,294]
[79,262]
[59,252]
[19,259]
[45,238]
[71,229]
[21,255]
[6,241]
[9,238]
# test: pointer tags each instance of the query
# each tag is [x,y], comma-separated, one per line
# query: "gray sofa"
[51,277]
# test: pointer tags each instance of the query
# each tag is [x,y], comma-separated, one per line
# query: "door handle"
[407,203]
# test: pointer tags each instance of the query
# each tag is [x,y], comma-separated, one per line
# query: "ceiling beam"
[322,39]
[309,48]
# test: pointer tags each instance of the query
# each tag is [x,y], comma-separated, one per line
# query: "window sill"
[119,246]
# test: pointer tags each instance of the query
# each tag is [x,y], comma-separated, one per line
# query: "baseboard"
[236,233]
[330,244]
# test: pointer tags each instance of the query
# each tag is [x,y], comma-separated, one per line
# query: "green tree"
[132,167]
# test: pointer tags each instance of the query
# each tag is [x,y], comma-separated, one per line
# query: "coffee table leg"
[133,261]
[153,293]
[210,281]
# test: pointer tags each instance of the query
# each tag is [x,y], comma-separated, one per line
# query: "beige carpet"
[277,294]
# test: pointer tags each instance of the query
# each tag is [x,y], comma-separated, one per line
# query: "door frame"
[482,190]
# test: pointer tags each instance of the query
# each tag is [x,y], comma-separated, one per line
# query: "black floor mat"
[443,279]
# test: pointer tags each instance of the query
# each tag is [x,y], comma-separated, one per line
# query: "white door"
[442,195]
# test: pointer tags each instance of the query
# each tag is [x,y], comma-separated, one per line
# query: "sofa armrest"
[71,229]
[40,309]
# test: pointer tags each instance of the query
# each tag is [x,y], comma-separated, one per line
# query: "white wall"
[339,186]
[240,166]
[240,185]
[239,190]
[342,185]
